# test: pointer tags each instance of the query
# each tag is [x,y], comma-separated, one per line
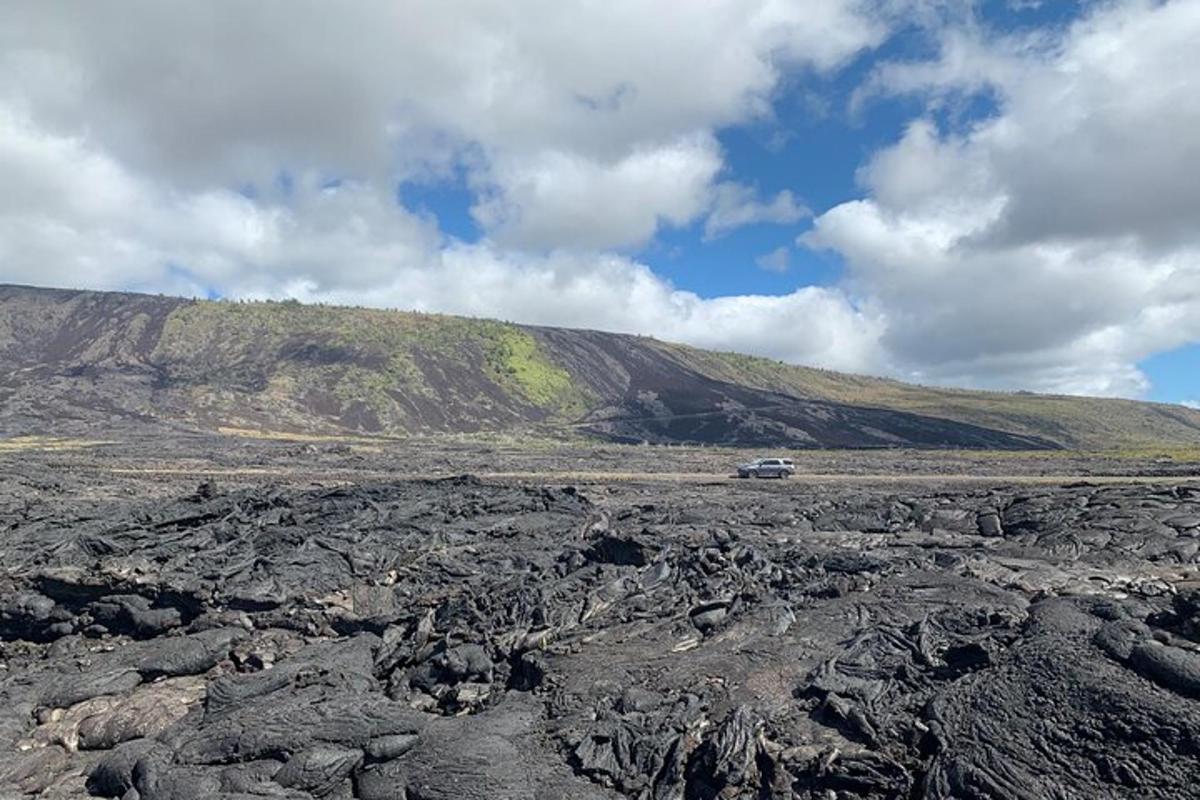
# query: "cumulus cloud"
[735,205]
[97,224]
[1191,404]
[544,103]
[1052,244]
[775,261]
[558,199]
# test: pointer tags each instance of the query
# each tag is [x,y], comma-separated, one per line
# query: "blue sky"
[974,194]
[813,143]
[1175,375]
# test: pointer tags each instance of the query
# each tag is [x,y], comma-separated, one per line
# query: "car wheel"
[754,473]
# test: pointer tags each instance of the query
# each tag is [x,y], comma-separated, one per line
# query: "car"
[767,468]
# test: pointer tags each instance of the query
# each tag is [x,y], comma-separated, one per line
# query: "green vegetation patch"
[516,360]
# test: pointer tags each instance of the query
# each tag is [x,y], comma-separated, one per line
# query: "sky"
[998,194]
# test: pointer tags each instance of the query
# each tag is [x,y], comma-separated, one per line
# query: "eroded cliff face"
[458,638]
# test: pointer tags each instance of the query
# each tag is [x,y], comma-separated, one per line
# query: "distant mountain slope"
[81,360]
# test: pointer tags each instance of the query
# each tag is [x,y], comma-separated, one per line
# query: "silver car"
[767,468]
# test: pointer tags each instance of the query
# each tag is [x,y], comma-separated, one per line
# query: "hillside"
[74,360]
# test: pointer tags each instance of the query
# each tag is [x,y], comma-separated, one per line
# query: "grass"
[19,444]
[515,358]
[287,436]
[1183,454]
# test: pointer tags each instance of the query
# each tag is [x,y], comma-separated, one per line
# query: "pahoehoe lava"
[460,639]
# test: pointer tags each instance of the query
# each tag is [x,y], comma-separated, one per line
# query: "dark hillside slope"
[73,361]
[1090,423]
[659,399]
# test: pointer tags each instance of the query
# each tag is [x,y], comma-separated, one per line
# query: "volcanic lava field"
[233,618]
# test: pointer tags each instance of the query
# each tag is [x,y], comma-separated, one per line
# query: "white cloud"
[775,261]
[1053,245]
[735,205]
[1191,404]
[558,199]
[97,224]
[546,103]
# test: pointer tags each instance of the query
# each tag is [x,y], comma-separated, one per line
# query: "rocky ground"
[230,618]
